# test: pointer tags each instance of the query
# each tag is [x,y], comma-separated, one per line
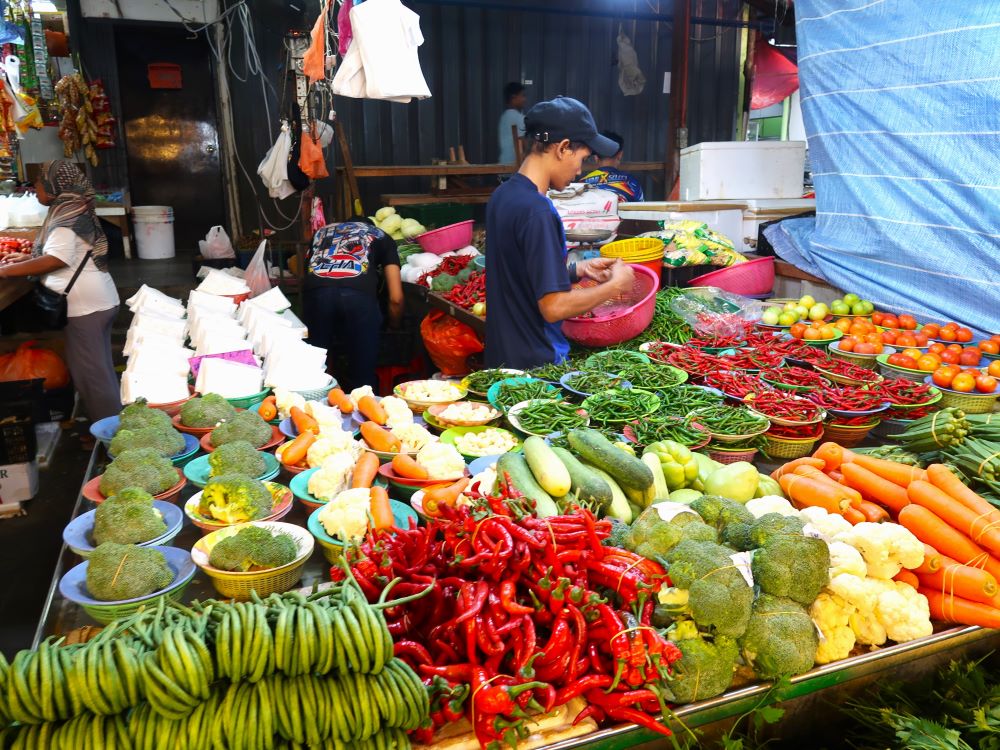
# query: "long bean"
[510,394]
[544,417]
[620,405]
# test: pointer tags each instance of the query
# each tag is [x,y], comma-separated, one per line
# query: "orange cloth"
[311,160]
[314,61]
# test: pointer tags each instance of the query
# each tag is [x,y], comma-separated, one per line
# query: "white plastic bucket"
[154,231]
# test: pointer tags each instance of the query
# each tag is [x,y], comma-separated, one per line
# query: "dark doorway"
[171,134]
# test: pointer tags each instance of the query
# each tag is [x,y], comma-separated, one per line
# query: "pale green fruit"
[851,298]
[807,300]
[859,308]
[869,307]
[788,306]
[802,310]
[840,308]
[770,316]
[787,319]
[818,311]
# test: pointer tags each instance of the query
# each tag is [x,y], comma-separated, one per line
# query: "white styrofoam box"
[18,482]
[211,301]
[156,387]
[273,299]
[761,211]
[742,169]
[228,379]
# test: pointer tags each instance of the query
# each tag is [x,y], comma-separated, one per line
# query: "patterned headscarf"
[73,208]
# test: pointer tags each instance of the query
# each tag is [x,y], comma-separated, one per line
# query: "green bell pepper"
[680,468]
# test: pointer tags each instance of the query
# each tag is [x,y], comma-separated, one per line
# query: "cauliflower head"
[441,461]
[861,594]
[397,413]
[413,437]
[346,515]
[903,612]
[886,547]
[761,506]
[332,444]
[328,418]
[845,559]
[832,615]
[332,477]
[825,525]
[285,400]
[359,393]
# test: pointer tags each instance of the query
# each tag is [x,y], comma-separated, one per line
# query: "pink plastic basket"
[619,319]
[752,277]
[446,239]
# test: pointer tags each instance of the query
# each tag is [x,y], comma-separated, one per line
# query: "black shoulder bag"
[52,305]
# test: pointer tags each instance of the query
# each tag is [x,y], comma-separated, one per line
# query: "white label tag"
[742,562]
[819,631]
[668,511]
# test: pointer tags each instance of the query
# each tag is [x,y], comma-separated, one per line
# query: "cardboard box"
[18,482]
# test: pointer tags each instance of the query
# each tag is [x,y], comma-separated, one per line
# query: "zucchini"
[640,498]
[619,507]
[586,483]
[551,473]
[515,466]
[660,490]
[598,451]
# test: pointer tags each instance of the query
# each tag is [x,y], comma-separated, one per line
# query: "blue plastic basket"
[78,533]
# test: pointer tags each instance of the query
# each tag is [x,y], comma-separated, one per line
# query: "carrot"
[405,466]
[372,409]
[831,454]
[805,491]
[932,561]
[873,513]
[381,509]
[365,470]
[971,523]
[379,438]
[336,397]
[944,479]
[836,476]
[927,527]
[443,494]
[950,608]
[293,453]
[302,421]
[964,581]
[905,576]
[854,516]
[900,474]
[813,473]
[793,465]
[874,487]
[268,409]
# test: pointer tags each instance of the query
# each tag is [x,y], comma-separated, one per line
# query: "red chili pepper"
[795,376]
[415,651]
[508,601]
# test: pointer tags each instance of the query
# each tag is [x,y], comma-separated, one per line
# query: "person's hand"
[598,269]
[622,277]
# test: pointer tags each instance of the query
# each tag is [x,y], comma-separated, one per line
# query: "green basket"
[970,403]
[318,394]
[245,402]
[107,613]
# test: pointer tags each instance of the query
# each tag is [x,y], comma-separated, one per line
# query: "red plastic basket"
[619,319]
[752,277]
[446,239]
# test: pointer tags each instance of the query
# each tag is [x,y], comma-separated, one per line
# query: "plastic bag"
[29,363]
[257,275]
[449,342]
[216,244]
[713,313]
[273,168]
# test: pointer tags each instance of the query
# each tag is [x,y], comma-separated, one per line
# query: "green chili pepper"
[544,417]
[481,381]
[510,394]
[620,405]
[730,420]
[589,381]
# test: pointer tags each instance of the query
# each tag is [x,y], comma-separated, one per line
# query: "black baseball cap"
[566,118]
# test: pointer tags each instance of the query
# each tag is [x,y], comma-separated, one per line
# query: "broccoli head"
[780,639]
[128,518]
[705,668]
[708,586]
[747,536]
[247,426]
[238,457]
[167,442]
[235,498]
[137,415]
[619,534]
[142,468]
[123,571]
[652,536]
[796,567]
[720,512]
[253,548]
[206,411]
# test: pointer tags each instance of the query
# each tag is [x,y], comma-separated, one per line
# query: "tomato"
[994,368]
[949,326]
[957,348]
[915,353]
[877,318]
[986,384]
[989,346]
[902,360]
[949,356]
[890,321]
[908,322]
[827,331]
[995,337]
[865,348]
[928,363]
[963,334]
[922,338]
[931,329]
[811,334]
[968,358]
[947,334]
[943,376]
[856,329]
[888,337]
[970,350]
[797,329]
[844,324]
[847,344]
[963,382]
[877,347]
[936,348]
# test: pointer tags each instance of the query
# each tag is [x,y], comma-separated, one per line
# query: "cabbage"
[411,228]
[398,236]
[383,213]
[391,224]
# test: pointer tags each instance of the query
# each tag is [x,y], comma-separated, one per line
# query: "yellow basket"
[970,403]
[635,250]
[239,586]
[789,448]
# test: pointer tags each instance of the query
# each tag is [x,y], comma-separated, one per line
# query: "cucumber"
[586,483]
[619,507]
[516,467]
[551,473]
[597,450]
[640,498]
[660,489]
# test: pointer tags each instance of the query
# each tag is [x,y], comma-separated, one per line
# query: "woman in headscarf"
[70,231]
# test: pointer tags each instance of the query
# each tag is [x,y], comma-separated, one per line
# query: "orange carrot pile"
[960,530]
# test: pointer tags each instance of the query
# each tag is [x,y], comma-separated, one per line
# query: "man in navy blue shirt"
[528,285]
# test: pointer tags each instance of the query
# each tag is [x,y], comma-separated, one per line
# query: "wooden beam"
[677,123]
[457,170]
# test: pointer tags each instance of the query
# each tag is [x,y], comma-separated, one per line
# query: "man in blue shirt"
[528,285]
[609,174]
[514,99]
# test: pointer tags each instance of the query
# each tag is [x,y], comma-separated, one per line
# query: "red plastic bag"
[28,363]
[449,342]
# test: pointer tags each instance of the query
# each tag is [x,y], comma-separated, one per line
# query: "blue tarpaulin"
[901,102]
